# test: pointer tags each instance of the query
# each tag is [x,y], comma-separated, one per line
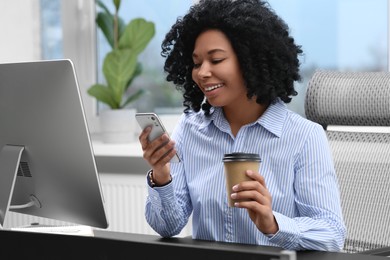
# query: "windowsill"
[132,149]
[123,158]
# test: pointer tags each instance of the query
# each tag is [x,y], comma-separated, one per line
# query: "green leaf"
[133,97]
[118,68]
[137,72]
[103,6]
[103,94]
[117,4]
[137,35]
[105,21]
[106,24]
[122,26]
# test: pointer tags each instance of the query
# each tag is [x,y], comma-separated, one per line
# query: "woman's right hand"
[158,153]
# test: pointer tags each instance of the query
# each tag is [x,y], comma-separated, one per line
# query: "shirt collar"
[216,115]
[272,119]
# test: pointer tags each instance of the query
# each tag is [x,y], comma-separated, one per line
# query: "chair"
[354,109]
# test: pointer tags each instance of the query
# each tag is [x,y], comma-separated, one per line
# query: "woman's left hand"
[258,202]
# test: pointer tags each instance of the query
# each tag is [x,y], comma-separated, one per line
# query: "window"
[334,34]
[51,36]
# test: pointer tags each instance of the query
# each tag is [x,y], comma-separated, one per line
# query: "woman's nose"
[204,71]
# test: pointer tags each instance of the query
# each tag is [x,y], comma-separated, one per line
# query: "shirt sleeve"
[169,207]
[319,225]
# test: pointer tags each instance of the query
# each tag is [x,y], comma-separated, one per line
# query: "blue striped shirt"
[297,167]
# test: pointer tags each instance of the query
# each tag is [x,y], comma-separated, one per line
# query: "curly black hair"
[267,54]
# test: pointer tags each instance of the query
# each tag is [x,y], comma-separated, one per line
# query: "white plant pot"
[118,125]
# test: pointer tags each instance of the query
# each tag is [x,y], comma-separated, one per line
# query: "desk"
[116,245]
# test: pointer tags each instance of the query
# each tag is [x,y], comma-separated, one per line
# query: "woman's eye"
[212,61]
[216,61]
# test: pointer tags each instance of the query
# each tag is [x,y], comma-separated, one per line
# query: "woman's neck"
[244,114]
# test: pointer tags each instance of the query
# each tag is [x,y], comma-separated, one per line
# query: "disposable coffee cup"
[235,166]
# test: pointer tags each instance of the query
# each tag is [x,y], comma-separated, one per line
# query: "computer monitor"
[47,164]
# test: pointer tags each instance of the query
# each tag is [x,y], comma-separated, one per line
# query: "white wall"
[20,30]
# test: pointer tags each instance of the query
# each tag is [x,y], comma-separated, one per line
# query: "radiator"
[124,196]
[125,202]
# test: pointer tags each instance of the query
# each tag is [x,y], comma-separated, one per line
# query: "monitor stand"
[9,162]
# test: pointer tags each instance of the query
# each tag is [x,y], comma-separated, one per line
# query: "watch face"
[150,179]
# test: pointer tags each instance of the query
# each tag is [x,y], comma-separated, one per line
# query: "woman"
[236,65]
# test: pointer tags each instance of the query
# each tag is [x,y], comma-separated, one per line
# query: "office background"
[335,34]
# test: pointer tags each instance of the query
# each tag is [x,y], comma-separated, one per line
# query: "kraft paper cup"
[235,166]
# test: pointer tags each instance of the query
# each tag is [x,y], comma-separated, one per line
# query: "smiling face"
[217,71]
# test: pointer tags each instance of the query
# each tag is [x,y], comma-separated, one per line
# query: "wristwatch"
[151,182]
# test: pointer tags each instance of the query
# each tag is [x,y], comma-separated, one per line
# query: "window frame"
[79,45]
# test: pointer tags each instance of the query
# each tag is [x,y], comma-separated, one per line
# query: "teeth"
[213,87]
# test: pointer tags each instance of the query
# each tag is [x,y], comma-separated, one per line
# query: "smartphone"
[151,119]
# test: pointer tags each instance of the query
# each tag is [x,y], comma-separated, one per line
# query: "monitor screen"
[47,164]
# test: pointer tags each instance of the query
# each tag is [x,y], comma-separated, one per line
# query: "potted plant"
[120,67]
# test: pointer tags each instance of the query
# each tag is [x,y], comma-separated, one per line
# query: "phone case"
[151,119]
